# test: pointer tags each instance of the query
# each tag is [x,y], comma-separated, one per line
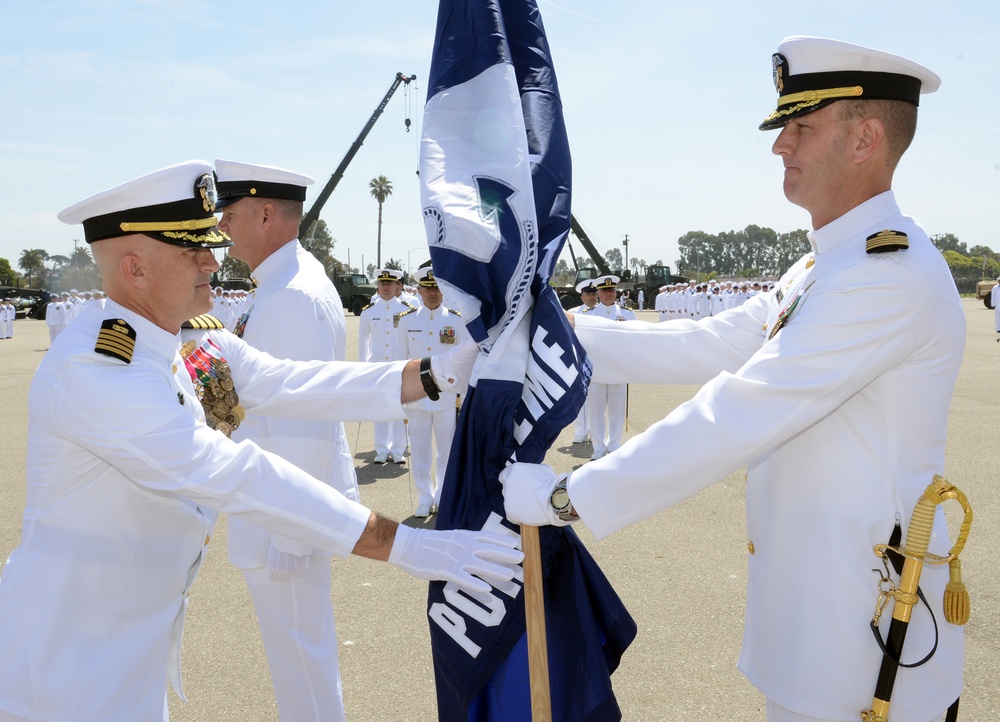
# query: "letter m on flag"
[495,167]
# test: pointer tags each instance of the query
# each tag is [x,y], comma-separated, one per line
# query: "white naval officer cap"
[609,281]
[425,277]
[236,180]
[387,274]
[586,285]
[175,205]
[810,73]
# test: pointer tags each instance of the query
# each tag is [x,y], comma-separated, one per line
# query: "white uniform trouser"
[777,713]
[606,432]
[581,424]
[300,639]
[53,332]
[425,425]
[390,437]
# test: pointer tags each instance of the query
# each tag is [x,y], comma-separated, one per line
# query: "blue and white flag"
[495,167]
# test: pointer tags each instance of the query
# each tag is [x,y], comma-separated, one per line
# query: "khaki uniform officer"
[379,340]
[294,313]
[125,476]
[430,330]
[847,369]
[606,402]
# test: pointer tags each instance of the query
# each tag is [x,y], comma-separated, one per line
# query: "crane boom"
[313,214]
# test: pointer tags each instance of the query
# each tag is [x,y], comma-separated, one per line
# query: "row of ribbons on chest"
[213,382]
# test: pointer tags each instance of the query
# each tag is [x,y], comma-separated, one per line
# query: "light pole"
[625,243]
[409,268]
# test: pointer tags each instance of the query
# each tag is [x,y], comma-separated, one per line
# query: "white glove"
[285,566]
[453,368]
[527,494]
[454,556]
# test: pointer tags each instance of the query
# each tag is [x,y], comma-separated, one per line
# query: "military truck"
[655,277]
[984,292]
[355,291]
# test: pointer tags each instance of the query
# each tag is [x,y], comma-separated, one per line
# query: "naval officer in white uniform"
[125,477]
[606,403]
[588,302]
[847,369]
[379,340]
[295,313]
[427,331]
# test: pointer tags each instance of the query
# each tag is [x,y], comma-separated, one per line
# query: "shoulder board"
[408,305]
[204,322]
[407,312]
[116,339]
[453,312]
[886,242]
[367,307]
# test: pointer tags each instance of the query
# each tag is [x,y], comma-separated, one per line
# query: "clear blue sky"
[662,102]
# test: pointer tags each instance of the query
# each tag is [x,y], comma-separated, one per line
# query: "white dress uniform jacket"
[428,333]
[296,313]
[379,340]
[850,406]
[121,468]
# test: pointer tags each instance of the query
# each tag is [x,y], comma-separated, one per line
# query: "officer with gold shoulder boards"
[847,369]
[379,340]
[295,313]
[124,475]
[427,331]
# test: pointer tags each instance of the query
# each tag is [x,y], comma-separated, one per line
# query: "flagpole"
[534,614]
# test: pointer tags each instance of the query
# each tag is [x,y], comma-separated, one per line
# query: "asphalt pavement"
[681,573]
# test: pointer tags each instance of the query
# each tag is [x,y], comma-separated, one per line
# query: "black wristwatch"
[560,502]
[427,379]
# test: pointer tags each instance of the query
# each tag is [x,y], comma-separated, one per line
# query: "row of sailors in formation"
[229,306]
[8,310]
[698,300]
[66,306]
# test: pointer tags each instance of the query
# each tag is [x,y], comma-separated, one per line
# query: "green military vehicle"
[355,291]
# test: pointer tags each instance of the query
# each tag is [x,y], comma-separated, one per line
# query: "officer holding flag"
[847,368]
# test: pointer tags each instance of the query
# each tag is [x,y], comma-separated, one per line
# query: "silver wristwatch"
[559,499]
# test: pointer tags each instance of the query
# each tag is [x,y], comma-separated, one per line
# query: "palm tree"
[381,188]
[32,261]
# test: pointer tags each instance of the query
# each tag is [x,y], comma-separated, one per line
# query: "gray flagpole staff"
[907,595]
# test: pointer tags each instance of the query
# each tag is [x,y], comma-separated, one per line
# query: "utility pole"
[625,243]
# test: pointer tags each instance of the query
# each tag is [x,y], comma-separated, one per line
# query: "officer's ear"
[133,271]
[870,136]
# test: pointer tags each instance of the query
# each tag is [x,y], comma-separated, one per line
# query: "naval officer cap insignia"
[245,180]
[810,73]
[886,241]
[425,277]
[175,205]
[586,286]
[116,339]
[606,282]
[388,274]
